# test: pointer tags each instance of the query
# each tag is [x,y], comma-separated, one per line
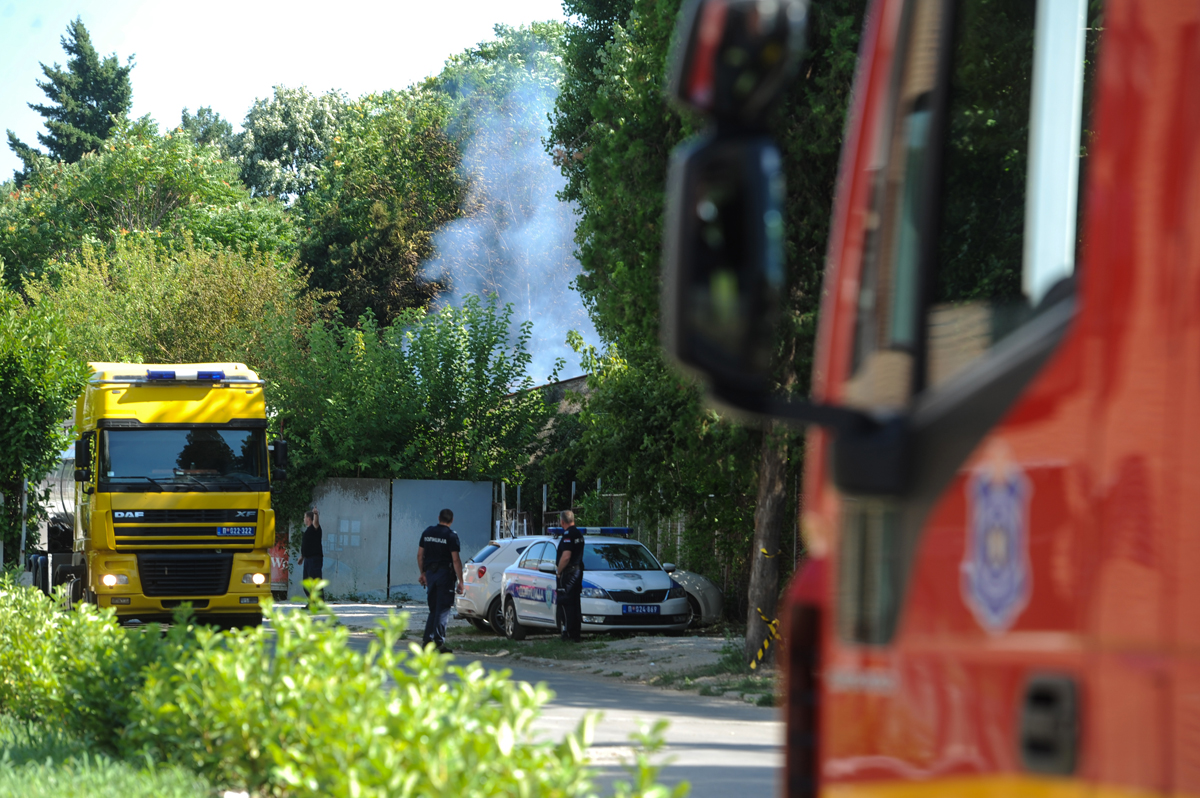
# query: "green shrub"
[288,710]
[78,669]
[296,710]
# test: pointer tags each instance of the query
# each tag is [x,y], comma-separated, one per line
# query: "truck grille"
[185,574]
[185,516]
[633,597]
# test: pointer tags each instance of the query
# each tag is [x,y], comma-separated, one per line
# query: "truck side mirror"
[723,271]
[83,475]
[280,460]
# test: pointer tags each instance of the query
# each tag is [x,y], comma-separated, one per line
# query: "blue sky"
[226,54]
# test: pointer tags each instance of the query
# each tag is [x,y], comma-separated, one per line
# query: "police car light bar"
[610,531]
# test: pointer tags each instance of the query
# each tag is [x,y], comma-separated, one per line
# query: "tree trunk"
[770,517]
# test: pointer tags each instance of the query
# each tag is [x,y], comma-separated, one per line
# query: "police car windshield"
[182,459]
[484,553]
[618,557]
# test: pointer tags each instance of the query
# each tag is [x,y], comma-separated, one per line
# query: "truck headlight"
[112,580]
[677,591]
[594,593]
[257,579]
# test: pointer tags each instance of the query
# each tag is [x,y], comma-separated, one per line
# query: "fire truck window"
[871,573]
[1010,173]
[956,260]
[888,330]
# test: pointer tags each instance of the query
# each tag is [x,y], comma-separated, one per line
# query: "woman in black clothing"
[312,556]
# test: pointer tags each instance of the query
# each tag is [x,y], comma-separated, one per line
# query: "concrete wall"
[354,520]
[415,505]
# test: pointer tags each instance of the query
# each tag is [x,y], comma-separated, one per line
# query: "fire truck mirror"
[733,57]
[723,271]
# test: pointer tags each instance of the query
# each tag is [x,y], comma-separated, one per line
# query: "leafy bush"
[292,710]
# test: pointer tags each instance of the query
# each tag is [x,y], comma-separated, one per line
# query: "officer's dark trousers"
[439,587]
[312,569]
[571,589]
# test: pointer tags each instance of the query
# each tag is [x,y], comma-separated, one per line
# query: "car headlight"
[677,592]
[594,593]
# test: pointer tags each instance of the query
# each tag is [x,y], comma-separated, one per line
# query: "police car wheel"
[513,629]
[479,624]
[495,616]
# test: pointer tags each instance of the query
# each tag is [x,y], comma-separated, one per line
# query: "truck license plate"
[236,531]
[639,609]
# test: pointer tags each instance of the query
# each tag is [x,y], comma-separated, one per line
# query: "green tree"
[441,395]
[593,25]
[139,183]
[149,303]
[207,127]
[85,97]
[389,182]
[613,134]
[39,382]
[285,138]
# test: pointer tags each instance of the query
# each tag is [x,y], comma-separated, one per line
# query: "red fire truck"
[1002,591]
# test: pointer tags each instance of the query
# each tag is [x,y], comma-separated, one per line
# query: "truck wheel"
[513,629]
[495,616]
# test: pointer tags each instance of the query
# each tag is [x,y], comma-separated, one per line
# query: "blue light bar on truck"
[610,531]
[185,376]
[177,375]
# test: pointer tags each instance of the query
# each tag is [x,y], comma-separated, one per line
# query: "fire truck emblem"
[996,572]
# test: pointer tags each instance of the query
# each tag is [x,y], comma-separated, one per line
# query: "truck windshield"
[184,459]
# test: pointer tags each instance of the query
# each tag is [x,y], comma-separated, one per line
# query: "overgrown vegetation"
[292,711]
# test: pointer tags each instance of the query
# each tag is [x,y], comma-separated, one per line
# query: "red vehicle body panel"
[1108,437]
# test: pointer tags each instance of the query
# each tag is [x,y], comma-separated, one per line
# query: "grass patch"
[41,762]
[541,648]
[729,673]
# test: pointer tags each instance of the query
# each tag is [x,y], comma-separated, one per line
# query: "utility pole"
[24,491]
[504,510]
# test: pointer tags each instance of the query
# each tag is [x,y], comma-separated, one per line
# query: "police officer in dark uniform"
[570,577]
[441,573]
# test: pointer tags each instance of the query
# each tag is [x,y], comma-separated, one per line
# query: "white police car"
[480,600]
[624,588]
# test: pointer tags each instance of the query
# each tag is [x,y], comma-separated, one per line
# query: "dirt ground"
[704,663]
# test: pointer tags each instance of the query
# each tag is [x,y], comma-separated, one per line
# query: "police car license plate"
[639,609]
[235,531]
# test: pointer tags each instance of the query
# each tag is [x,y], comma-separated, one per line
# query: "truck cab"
[172,498]
[999,595]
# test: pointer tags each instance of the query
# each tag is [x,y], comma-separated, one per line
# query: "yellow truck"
[172,498]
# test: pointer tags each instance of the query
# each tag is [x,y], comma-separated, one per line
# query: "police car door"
[546,584]
[524,587]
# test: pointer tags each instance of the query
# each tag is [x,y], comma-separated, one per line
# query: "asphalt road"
[722,747]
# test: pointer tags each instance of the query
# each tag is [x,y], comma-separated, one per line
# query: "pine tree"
[84,96]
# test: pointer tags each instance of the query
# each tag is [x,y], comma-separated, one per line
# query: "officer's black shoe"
[445,649]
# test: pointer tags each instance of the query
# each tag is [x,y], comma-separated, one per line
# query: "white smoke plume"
[517,239]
